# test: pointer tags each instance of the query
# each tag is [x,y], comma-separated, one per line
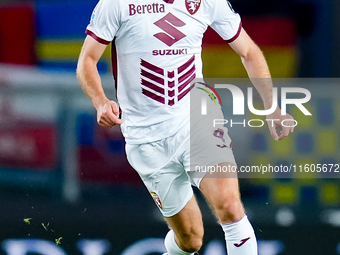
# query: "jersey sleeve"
[225,21]
[104,22]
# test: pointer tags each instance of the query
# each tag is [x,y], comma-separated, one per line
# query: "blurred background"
[65,184]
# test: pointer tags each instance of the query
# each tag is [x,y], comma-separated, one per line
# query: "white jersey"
[157,48]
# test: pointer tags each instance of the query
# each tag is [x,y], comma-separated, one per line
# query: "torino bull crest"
[192,6]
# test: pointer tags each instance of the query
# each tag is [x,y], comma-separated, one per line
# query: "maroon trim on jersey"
[186,64]
[171,84]
[168,80]
[153,86]
[152,67]
[169,1]
[171,74]
[171,93]
[153,96]
[237,34]
[152,77]
[181,87]
[187,74]
[98,39]
[114,60]
[183,94]
[114,63]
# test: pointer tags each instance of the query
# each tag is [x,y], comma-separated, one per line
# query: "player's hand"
[108,114]
[277,130]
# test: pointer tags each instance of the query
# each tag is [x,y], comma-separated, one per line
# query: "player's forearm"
[258,72]
[90,81]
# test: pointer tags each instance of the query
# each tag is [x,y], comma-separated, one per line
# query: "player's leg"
[222,192]
[186,234]
[224,197]
[159,166]
[209,145]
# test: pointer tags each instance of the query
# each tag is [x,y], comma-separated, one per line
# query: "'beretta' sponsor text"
[146,8]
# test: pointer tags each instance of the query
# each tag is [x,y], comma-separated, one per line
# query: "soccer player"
[156,56]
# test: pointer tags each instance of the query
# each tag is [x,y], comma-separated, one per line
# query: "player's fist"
[280,125]
[108,114]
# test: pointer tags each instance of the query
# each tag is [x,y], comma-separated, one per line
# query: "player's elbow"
[252,53]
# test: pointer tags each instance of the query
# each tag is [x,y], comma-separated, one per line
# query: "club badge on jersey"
[192,6]
[157,199]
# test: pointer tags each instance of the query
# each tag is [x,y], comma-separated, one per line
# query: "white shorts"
[168,167]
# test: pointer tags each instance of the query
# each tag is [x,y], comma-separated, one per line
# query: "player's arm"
[89,79]
[258,72]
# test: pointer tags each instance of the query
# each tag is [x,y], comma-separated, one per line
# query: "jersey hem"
[94,36]
[152,139]
[237,34]
[134,141]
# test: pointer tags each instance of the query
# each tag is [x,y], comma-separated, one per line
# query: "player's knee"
[231,210]
[193,245]
[191,242]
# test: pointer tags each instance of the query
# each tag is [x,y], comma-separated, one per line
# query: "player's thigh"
[187,225]
[222,192]
[163,174]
